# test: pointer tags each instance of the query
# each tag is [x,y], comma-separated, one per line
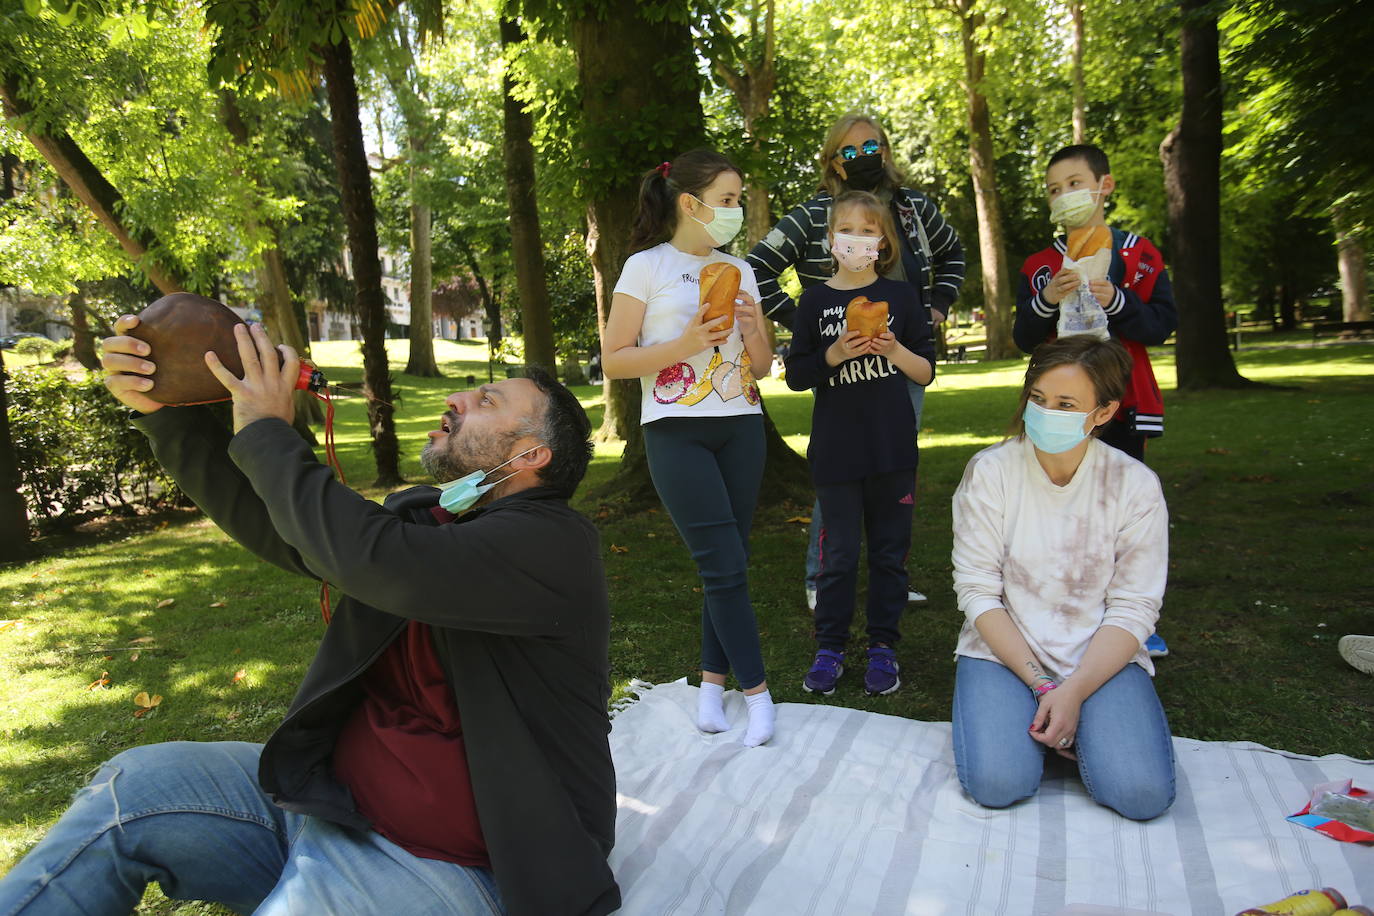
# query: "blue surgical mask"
[1054,431]
[726,224]
[457,496]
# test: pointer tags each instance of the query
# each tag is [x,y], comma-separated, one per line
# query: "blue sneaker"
[881,677]
[1155,647]
[825,671]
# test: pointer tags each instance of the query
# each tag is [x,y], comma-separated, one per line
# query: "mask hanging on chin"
[865,172]
[1054,431]
[458,496]
[724,225]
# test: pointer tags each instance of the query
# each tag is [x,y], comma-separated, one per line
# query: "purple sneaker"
[881,677]
[825,671]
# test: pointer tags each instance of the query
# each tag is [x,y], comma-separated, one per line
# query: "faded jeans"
[917,393]
[1125,753]
[191,816]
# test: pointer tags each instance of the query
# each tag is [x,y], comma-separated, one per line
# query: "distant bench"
[1341,327]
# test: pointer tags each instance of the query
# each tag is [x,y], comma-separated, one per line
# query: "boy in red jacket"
[1137,296]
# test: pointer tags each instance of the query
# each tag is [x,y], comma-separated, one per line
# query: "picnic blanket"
[849,812]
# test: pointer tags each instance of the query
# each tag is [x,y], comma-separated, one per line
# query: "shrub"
[40,347]
[76,450]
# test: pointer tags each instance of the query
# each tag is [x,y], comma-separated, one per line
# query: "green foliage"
[75,449]
[41,347]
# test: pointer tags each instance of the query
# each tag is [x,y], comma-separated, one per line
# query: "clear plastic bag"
[1357,812]
[1079,313]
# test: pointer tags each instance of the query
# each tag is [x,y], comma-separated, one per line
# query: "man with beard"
[446,751]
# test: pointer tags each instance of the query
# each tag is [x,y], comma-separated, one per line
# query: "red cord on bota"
[312,380]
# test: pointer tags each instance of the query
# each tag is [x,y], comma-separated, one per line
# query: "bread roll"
[867,316]
[719,287]
[1088,241]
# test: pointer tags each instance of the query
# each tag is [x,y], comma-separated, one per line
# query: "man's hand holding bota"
[127,362]
[262,392]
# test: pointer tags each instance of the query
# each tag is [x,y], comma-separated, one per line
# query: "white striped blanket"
[854,812]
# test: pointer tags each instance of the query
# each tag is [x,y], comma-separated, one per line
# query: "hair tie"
[664,168]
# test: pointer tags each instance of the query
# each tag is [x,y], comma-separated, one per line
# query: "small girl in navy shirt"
[863,436]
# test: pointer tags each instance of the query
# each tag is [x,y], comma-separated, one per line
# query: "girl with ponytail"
[703,427]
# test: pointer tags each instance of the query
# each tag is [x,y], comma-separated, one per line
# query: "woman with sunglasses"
[703,427]
[857,156]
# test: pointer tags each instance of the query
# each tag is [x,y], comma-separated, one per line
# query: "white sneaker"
[811,597]
[915,597]
[1359,652]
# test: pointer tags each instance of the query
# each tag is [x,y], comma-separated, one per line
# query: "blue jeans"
[917,393]
[1125,753]
[191,817]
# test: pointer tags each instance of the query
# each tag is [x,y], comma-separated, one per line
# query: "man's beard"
[449,459]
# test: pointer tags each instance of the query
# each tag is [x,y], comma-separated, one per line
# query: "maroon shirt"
[401,755]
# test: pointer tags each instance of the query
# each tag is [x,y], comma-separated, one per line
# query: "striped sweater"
[799,240]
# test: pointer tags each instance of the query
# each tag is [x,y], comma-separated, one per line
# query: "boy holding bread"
[1135,294]
[856,339]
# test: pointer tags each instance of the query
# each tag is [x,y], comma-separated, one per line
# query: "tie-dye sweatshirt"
[1063,561]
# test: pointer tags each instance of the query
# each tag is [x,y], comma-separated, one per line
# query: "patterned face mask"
[855,252]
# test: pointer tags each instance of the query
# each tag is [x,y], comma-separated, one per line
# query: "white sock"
[761,717]
[711,708]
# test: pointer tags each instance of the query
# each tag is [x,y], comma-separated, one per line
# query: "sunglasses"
[869,148]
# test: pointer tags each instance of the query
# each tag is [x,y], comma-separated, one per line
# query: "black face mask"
[865,172]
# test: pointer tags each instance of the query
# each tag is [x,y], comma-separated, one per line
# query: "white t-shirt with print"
[717,382]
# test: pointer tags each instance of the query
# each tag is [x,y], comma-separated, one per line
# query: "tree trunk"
[279,314]
[87,183]
[527,245]
[627,65]
[1192,183]
[997,296]
[1080,93]
[1288,308]
[421,361]
[14,517]
[1350,257]
[490,307]
[1264,305]
[360,216]
[83,341]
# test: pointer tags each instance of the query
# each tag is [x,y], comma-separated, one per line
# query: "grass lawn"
[1271,492]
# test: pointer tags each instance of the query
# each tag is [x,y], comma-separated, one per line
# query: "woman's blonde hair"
[830,179]
[871,206]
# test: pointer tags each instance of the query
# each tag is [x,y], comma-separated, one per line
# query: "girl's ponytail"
[654,217]
[690,173]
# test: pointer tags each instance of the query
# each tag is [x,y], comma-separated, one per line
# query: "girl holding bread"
[1060,559]
[685,320]
[856,339]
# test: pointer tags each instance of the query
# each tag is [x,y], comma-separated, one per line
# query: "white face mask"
[855,252]
[1074,208]
[724,225]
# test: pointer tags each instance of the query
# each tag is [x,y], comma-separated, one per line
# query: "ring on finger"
[1065,742]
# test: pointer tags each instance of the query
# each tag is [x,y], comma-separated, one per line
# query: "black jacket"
[516,596]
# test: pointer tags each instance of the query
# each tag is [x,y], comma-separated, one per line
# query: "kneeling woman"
[1060,559]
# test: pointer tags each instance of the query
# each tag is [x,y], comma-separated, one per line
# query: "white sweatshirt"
[1063,561]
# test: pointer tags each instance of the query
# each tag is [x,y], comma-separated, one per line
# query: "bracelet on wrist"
[1041,689]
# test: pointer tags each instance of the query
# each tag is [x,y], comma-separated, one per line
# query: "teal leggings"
[707,471]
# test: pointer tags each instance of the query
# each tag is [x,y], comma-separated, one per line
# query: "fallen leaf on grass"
[218,604]
[166,602]
[100,683]
[140,640]
[616,548]
[145,703]
[8,625]
[134,657]
[238,676]
[1218,450]
[799,520]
